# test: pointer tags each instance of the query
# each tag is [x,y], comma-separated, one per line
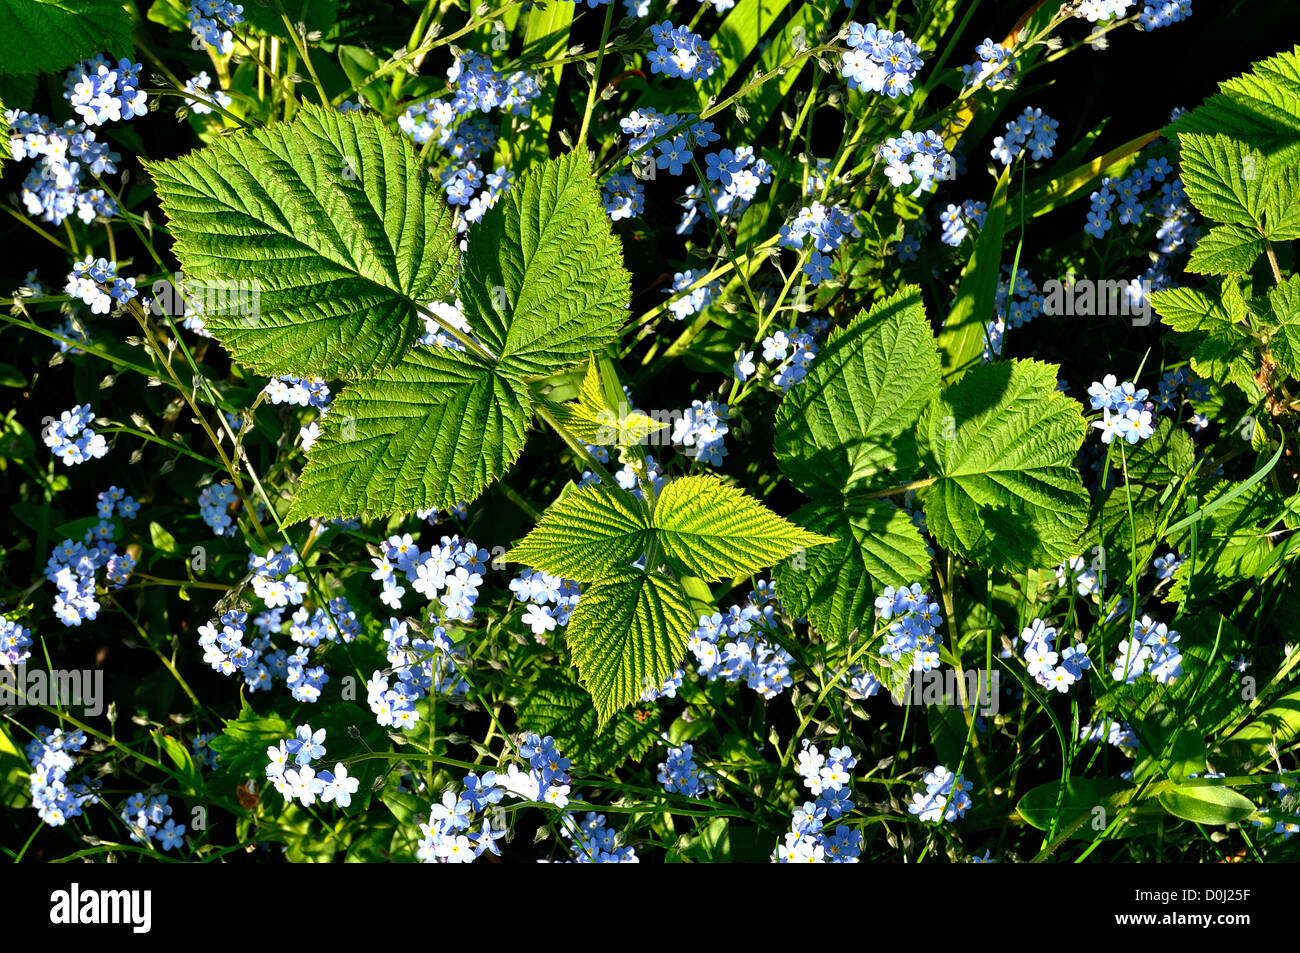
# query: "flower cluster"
[995,67]
[957,220]
[730,646]
[448,575]
[1041,658]
[914,629]
[624,197]
[301,781]
[827,228]
[917,157]
[1152,648]
[446,838]
[1129,406]
[1286,808]
[200,744]
[475,87]
[679,774]
[677,138]
[694,300]
[791,352]
[550,600]
[702,428]
[828,777]
[945,797]
[1095,10]
[547,779]
[463,189]
[71,438]
[214,503]
[1031,131]
[302,391]
[419,664]
[72,566]
[680,53]
[594,842]
[55,799]
[210,21]
[88,275]
[144,815]
[734,178]
[1116,733]
[15,643]
[879,61]
[53,188]
[1087,580]
[100,92]
[200,89]
[1121,197]
[1167,12]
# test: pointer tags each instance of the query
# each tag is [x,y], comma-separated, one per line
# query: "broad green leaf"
[588,533]
[1284,342]
[434,430]
[1278,724]
[242,744]
[628,634]
[848,424]
[1261,108]
[1221,348]
[1085,807]
[1282,206]
[1165,456]
[1226,250]
[715,531]
[543,278]
[333,222]
[833,586]
[556,705]
[47,35]
[1001,444]
[1207,804]
[1224,178]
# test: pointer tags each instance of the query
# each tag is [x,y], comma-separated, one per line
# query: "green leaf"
[1284,342]
[1261,108]
[1165,456]
[1221,348]
[543,278]
[57,33]
[1226,250]
[848,424]
[588,533]
[1001,443]
[715,531]
[833,586]
[556,705]
[961,340]
[163,541]
[1076,806]
[1224,178]
[1206,804]
[628,634]
[333,222]
[433,431]
[1275,727]
[591,419]
[242,744]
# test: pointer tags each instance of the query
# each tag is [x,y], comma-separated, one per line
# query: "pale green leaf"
[47,35]
[543,278]
[1284,341]
[1207,804]
[588,533]
[1001,444]
[834,586]
[333,221]
[1224,178]
[715,531]
[628,634]
[848,424]
[432,431]
[1226,250]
